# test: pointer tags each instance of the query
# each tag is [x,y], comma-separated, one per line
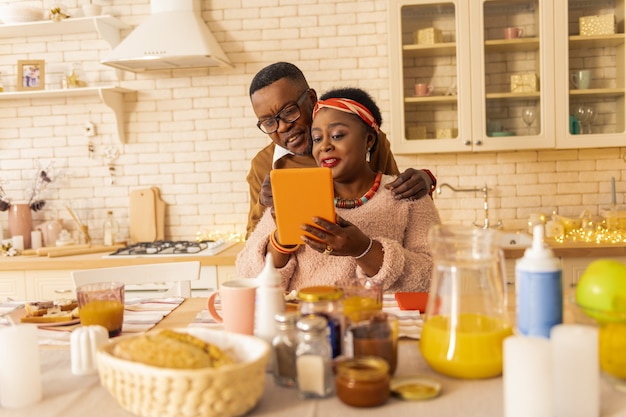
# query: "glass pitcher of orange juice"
[466,314]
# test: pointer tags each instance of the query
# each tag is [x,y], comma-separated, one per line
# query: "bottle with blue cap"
[539,288]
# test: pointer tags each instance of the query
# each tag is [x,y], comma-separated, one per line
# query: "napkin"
[410,321]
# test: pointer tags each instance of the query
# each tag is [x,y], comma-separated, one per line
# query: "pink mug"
[237,305]
[423,89]
[513,33]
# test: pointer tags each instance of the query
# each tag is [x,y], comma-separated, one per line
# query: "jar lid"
[415,387]
[287,317]
[363,368]
[320,293]
[312,323]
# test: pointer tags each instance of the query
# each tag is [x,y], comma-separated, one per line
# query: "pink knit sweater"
[401,226]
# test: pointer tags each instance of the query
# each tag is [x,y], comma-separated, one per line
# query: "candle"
[576,370]
[20,373]
[35,239]
[17,242]
[526,377]
[613,198]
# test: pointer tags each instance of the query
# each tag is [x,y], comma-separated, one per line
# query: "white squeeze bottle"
[539,289]
[270,300]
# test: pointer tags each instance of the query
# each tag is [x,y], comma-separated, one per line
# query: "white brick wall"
[192,132]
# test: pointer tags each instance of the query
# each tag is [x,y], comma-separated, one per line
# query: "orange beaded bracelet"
[280,248]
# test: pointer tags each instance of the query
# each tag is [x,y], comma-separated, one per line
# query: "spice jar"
[284,348]
[325,301]
[313,358]
[363,381]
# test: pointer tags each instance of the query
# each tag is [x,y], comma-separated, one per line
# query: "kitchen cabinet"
[600,108]
[483,84]
[55,284]
[108,29]
[573,268]
[472,107]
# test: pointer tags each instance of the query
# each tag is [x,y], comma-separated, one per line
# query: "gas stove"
[172,248]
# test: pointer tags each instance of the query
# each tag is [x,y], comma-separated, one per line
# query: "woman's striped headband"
[349,106]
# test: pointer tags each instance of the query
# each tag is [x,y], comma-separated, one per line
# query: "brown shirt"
[381,160]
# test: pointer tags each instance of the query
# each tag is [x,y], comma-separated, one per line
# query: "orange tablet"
[299,195]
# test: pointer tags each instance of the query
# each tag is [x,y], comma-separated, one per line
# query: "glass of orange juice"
[102,304]
[362,297]
[466,316]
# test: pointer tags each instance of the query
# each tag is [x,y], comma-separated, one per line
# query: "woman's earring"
[367,155]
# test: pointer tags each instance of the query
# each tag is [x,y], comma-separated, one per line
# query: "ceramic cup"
[423,89]
[513,33]
[102,303]
[581,79]
[237,305]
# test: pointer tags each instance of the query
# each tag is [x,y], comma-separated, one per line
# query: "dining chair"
[178,274]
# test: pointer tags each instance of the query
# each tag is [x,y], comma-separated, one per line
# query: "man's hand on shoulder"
[266,197]
[413,184]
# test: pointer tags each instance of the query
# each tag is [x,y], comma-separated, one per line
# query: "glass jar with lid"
[363,381]
[314,363]
[325,301]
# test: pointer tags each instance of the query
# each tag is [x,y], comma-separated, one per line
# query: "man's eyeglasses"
[288,114]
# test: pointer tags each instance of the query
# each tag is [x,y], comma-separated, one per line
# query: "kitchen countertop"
[228,256]
[96,260]
[574,249]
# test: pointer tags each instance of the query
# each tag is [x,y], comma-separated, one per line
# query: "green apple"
[601,290]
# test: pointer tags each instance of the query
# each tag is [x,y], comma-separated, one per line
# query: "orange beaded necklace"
[358,202]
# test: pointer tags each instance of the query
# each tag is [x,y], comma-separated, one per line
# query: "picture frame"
[31,75]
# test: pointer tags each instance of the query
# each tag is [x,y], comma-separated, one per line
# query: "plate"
[59,323]
[415,388]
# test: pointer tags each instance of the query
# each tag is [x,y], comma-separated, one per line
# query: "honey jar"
[363,381]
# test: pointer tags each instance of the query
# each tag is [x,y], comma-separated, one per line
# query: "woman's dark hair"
[360,96]
[277,71]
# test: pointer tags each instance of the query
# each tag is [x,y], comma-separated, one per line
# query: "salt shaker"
[85,342]
[314,358]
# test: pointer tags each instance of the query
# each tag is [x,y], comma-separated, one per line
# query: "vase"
[21,222]
[92,10]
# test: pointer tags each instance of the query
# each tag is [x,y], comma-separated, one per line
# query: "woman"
[375,235]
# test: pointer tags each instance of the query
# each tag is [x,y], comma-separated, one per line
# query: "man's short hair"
[275,72]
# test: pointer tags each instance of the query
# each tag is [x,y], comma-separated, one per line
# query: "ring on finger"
[327,250]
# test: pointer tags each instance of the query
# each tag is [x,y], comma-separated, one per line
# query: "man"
[283,103]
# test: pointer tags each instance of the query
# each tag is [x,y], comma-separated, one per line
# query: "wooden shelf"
[513,96]
[597,92]
[108,27]
[111,96]
[435,49]
[579,42]
[512,45]
[431,99]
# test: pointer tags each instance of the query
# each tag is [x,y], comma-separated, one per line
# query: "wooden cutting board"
[143,227]
[160,214]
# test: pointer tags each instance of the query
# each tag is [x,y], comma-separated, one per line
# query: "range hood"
[173,37]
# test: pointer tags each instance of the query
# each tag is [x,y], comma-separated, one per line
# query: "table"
[66,395]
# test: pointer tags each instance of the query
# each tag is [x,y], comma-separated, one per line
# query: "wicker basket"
[230,390]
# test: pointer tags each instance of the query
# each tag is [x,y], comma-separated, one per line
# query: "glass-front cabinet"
[590,55]
[489,68]
[488,75]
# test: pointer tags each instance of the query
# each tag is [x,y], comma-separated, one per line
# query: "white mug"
[581,79]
